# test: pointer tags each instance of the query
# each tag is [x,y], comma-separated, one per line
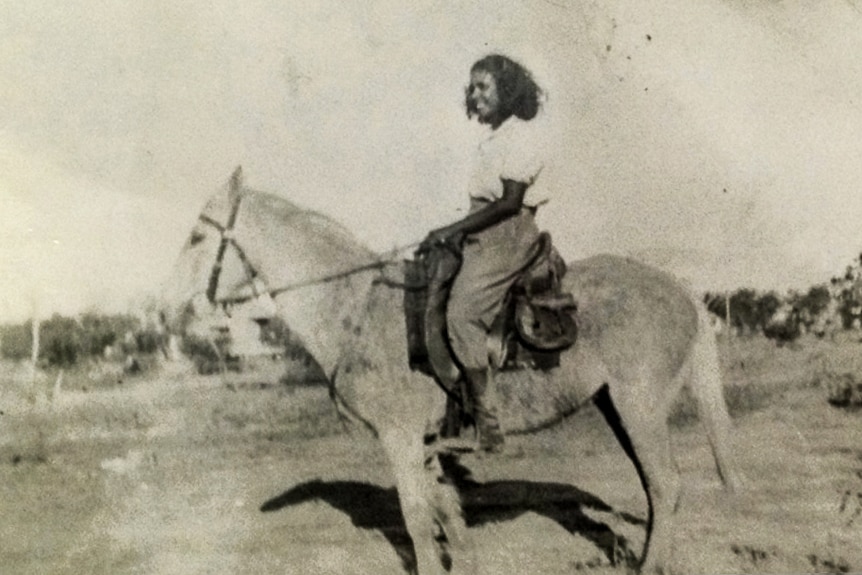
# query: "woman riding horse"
[499,231]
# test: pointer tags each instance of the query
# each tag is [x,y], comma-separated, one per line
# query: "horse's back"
[635,316]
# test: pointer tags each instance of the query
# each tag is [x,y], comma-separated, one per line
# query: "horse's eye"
[196,238]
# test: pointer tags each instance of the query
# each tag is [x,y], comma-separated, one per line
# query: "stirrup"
[456,445]
[465,445]
[491,438]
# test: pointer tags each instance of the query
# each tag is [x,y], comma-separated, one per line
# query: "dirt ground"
[185,474]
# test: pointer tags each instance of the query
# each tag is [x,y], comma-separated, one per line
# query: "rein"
[252,275]
[378,265]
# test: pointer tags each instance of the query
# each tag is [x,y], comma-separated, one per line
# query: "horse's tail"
[706,387]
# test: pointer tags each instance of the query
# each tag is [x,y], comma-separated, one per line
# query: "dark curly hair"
[518,92]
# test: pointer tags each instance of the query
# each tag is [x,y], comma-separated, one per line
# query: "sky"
[716,139]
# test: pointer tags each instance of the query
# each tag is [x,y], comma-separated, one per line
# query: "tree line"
[66,341]
[822,309]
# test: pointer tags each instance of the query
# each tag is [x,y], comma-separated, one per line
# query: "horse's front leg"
[406,457]
[449,515]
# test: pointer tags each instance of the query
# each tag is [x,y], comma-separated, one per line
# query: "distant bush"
[750,311]
[148,341]
[216,354]
[844,389]
[100,331]
[782,318]
[209,356]
[17,341]
[66,341]
[783,332]
[62,341]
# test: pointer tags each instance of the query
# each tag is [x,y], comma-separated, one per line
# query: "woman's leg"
[488,430]
[491,264]
[468,335]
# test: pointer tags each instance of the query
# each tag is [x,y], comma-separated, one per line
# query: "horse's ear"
[235,182]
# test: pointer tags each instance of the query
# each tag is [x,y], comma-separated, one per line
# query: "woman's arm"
[495,212]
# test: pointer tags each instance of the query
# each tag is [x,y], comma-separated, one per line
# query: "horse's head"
[205,267]
[246,243]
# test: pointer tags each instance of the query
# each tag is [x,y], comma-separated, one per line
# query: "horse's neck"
[351,322]
[292,246]
[378,342]
[326,315]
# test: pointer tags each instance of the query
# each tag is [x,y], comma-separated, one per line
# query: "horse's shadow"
[373,507]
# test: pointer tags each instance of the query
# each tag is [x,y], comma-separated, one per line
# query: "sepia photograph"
[532,287]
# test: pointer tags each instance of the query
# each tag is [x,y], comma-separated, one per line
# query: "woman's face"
[484,97]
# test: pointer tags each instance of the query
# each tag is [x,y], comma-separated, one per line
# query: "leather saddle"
[537,321]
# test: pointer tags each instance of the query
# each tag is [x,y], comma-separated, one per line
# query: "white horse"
[642,337]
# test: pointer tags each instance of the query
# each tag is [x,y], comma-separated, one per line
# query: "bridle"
[227,238]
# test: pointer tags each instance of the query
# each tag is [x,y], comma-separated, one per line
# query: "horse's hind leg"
[643,432]
[706,388]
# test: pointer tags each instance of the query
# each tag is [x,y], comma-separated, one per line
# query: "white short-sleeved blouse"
[508,153]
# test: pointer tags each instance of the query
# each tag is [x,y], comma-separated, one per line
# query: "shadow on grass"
[373,507]
[368,506]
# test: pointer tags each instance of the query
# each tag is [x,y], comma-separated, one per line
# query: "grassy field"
[755,371]
[167,472]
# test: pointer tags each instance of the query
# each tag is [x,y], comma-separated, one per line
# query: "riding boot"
[484,394]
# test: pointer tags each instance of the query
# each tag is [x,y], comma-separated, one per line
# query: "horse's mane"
[288,214]
[322,242]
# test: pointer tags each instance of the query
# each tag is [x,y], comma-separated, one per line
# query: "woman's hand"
[490,215]
[439,238]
